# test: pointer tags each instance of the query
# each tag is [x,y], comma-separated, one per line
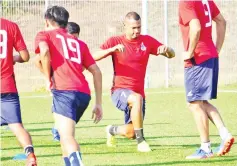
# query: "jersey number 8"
[3,44]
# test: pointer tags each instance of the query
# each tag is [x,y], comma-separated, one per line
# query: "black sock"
[29,149]
[113,130]
[139,135]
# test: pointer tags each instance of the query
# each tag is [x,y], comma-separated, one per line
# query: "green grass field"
[169,129]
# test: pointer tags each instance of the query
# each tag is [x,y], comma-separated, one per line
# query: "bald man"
[130,53]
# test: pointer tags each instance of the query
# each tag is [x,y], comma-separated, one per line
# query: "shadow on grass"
[185,146]
[51,122]
[210,161]
[49,129]
[57,155]
[35,146]
[39,129]
[93,153]
[85,120]
[41,135]
[179,136]
[49,155]
[54,145]
[6,158]
[156,124]
[82,127]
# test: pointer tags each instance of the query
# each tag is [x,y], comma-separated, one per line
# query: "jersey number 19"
[73,46]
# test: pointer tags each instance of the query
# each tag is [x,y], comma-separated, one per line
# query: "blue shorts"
[71,104]
[10,108]
[120,100]
[201,80]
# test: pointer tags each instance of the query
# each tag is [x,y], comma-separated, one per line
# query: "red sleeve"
[19,43]
[187,11]
[40,37]
[108,44]
[215,10]
[87,60]
[154,44]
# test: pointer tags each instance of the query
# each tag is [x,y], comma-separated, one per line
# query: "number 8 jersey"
[204,11]
[68,56]
[10,38]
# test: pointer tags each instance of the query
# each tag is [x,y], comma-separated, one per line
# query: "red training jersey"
[130,65]
[204,11]
[68,55]
[10,37]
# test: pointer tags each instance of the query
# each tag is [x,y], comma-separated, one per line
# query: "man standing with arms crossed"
[130,54]
[201,70]
[63,57]
[10,37]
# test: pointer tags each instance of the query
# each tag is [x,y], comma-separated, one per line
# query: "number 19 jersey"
[68,56]
[10,38]
[204,11]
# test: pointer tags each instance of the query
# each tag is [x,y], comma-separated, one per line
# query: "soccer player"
[130,54]
[62,57]
[201,70]
[73,29]
[10,37]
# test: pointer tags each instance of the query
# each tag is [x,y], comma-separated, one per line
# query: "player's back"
[10,37]
[204,11]
[68,56]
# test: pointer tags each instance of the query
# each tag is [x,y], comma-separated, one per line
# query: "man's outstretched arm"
[101,54]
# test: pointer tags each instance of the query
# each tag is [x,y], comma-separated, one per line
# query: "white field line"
[106,94]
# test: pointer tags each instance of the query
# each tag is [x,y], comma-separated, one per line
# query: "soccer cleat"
[110,138]
[31,160]
[200,154]
[56,136]
[225,145]
[143,147]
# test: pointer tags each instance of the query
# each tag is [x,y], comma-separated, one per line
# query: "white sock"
[206,146]
[223,132]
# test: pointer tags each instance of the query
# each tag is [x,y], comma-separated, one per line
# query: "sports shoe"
[225,145]
[56,136]
[110,138]
[200,154]
[31,160]
[143,147]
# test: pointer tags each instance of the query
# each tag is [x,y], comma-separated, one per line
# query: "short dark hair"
[58,14]
[73,27]
[133,15]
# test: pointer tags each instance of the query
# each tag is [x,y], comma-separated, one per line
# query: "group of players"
[62,57]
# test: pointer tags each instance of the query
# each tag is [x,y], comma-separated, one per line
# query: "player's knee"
[135,98]
[195,105]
